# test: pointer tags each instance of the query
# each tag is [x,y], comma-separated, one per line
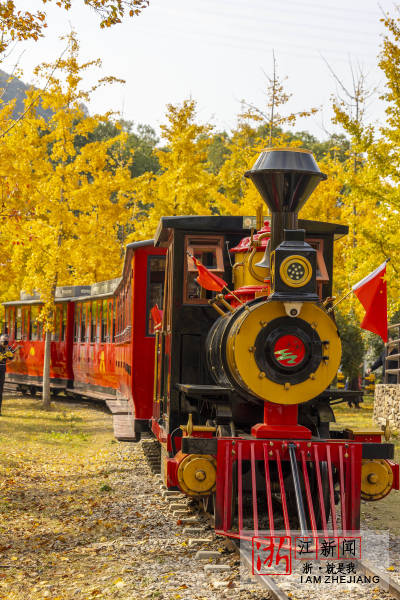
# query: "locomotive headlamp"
[293,269]
[296,271]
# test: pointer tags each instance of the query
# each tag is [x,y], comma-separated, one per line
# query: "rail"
[392,355]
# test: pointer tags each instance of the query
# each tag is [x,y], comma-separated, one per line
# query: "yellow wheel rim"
[197,474]
[376,479]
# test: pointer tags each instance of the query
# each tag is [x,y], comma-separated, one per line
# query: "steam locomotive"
[234,386]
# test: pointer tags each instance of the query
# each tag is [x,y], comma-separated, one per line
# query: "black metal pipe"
[297,489]
[279,222]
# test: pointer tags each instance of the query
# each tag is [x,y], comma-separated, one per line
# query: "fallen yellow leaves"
[56,525]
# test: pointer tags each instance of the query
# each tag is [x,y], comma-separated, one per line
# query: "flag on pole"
[156,315]
[372,293]
[206,279]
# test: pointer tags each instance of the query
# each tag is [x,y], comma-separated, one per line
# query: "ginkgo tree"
[257,128]
[370,203]
[75,196]
[20,25]
[186,184]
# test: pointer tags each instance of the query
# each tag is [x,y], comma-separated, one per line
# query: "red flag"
[206,279]
[372,293]
[156,315]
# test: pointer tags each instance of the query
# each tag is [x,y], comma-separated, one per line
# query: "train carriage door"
[64,322]
[164,341]
[55,336]
[26,319]
[155,288]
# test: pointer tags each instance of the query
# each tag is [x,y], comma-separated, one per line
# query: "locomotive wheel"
[32,390]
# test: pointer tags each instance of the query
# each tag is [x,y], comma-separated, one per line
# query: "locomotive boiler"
[242,398]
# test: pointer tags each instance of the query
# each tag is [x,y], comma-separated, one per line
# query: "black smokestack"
[285,178]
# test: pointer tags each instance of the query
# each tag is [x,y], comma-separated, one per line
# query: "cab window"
[209,252]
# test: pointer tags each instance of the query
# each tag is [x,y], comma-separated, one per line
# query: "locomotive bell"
[285,178]
[265,263]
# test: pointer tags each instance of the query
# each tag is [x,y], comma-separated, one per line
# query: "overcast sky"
[216,51]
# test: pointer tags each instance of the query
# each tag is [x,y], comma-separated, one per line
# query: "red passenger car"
[103,342]
[93,356]
[26,370]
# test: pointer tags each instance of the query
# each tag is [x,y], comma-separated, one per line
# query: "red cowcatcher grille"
[268,486]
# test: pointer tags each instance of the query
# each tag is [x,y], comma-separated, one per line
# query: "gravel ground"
[161,560]
[163,563]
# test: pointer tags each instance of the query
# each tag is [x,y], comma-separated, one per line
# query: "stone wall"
[387,405]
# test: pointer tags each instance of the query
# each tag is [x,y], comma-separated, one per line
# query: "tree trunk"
[47,340]
[46,371]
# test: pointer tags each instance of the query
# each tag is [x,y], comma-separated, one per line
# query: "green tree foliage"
[218,151]
[335,147]
[352,343]
[140,143]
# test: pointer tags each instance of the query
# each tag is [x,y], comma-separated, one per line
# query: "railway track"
[183,507]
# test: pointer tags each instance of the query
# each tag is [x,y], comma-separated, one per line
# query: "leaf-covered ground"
[81,516]
[55,499]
